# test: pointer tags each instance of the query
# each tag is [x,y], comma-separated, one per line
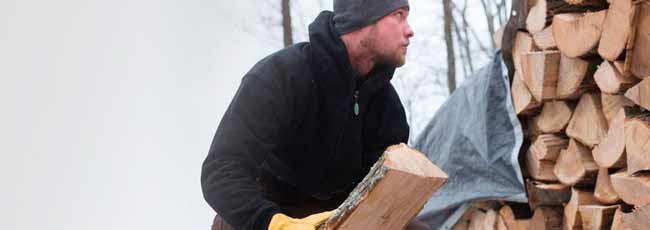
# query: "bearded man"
[308,121]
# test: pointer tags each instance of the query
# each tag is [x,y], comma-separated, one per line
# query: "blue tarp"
[475,138]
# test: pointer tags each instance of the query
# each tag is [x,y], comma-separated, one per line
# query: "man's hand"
[283,222]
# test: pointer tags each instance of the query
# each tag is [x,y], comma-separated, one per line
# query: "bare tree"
[451,57]
[286,23]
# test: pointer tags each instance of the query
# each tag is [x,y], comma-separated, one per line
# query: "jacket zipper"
[356,103]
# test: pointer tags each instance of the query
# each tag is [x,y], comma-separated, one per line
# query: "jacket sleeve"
[250,130]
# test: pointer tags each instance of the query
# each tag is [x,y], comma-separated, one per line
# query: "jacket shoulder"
[291,63]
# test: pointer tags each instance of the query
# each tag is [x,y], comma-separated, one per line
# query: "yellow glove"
[283,222]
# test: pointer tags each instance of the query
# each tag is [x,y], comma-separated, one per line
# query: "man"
[308,121]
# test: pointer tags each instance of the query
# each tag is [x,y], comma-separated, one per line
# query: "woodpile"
[581,90]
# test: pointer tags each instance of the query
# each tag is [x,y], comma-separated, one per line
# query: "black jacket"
[294,117]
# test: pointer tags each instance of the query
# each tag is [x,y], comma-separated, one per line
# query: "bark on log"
[576,166]
[543,194]
[588,124]
[392,193]
[577,34]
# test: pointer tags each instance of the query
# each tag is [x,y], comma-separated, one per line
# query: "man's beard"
[390,59]
[394,59]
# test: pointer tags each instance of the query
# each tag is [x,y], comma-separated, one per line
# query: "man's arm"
[250,129]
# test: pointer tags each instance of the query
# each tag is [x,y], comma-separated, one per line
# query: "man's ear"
[517,21]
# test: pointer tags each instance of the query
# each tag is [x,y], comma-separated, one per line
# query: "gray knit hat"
[350,15]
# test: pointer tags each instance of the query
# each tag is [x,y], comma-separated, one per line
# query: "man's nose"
[409,31]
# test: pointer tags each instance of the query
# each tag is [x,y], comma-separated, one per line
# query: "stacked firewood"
[582,93]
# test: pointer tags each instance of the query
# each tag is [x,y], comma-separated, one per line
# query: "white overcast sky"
[108,108]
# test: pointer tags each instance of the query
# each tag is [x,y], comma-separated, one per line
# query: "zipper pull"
[356,103]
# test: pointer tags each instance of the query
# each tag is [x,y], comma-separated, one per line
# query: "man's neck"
[360,58]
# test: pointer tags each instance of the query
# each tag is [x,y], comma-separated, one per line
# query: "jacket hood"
[329,51]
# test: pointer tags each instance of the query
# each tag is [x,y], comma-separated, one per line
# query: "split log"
[597,216]
[465,219]
[575,77]
[585,2]
[637,136]
[640,94]
[509,218]
[604,191]
[617,222]
[483,220]
[514,220]
[501,224]
[640,63]
[539,169]
[541,73]
[639,219]
[477,220]
[610,153]
[612,104]
[523,224]
[547,218]
[542,12]
[548,146]
[610,80]
[622,68]
[576,166]
[634,190]
[392,193]
[588,124]
[544,39]
[579,197]
[537,17]
[616,29]
[577,34]
[523,44]
[542,194]
[523,101]
[554,118]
